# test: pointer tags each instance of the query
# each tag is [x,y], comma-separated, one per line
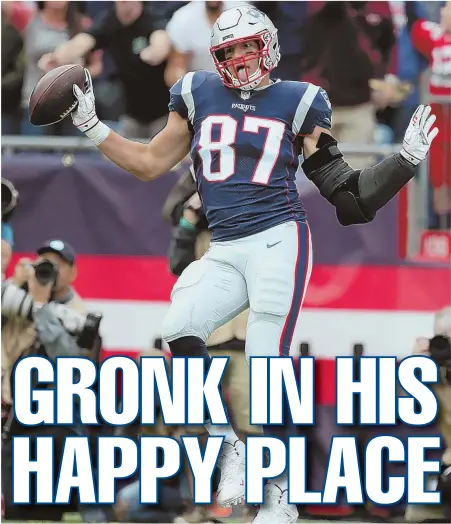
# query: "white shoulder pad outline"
[303,107]
[187,94]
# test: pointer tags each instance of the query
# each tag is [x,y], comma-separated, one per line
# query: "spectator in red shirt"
[434,42]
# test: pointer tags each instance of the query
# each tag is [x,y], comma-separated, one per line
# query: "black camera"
[45,272]
[90,332]
[10,199]
[440,350]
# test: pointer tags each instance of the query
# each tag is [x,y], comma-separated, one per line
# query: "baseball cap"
[60,248]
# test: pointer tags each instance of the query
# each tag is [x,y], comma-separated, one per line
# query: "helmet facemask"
[230,69]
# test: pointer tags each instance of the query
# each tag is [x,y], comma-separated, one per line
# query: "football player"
[245,131]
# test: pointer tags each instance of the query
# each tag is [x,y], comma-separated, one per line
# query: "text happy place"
[281,391]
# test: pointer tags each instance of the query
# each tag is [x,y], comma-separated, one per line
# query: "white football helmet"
[239,25]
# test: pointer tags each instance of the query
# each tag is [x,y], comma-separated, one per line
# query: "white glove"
[84,116]
[419,137]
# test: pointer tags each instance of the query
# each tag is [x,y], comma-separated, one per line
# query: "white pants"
[267,272]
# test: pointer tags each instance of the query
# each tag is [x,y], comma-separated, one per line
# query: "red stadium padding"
[355,287]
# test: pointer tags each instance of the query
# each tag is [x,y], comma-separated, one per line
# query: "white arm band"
[98,133]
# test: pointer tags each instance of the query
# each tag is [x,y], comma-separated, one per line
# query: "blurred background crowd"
[82,223]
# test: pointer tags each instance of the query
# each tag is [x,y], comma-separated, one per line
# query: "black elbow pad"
[348,204]
[337,182]
[326,167]
[349,209]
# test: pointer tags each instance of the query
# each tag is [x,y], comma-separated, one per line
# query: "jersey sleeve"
[314,109]
[184,92]
[176,100]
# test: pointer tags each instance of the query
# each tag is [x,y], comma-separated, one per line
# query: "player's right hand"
[419,135]
[84,116]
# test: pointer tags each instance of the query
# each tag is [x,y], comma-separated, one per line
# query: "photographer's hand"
[421,346]
[39,293]
[22,271]
[51,333]
[192,208]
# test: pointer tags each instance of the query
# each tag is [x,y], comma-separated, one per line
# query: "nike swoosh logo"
[272,245]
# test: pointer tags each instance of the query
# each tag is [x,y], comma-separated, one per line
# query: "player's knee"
[186,319]
[179,324]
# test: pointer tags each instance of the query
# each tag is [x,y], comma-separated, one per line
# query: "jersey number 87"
[228,128]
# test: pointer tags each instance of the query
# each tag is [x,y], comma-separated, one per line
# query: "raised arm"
[358,194]
[145,161]
[75,49]
[71,52]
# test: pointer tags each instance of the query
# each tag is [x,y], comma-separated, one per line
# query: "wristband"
[410,158]
[186,225]
[98,133]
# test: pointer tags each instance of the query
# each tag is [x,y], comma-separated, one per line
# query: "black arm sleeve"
[367,191]
[377,185]
[181,249]
[356,195]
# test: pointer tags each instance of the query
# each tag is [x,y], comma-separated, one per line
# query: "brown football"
[53,98]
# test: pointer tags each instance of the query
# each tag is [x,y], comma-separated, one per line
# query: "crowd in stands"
[369,56]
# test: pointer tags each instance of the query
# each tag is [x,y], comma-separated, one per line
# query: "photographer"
[10,199]
[42,315]
[43,312]
[439,349]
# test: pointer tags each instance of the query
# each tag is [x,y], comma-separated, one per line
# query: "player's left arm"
[358,194]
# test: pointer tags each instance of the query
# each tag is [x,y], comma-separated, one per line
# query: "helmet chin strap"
[257,86]
[250,87]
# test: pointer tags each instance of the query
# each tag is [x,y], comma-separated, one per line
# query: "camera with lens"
[45,272]
[10,199]
[17,303]
[440,350]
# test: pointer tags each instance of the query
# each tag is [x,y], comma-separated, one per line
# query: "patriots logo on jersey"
[243,107]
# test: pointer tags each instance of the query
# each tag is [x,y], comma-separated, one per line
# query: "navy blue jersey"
[244,150]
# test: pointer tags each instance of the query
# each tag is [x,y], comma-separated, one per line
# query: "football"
[53,98]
